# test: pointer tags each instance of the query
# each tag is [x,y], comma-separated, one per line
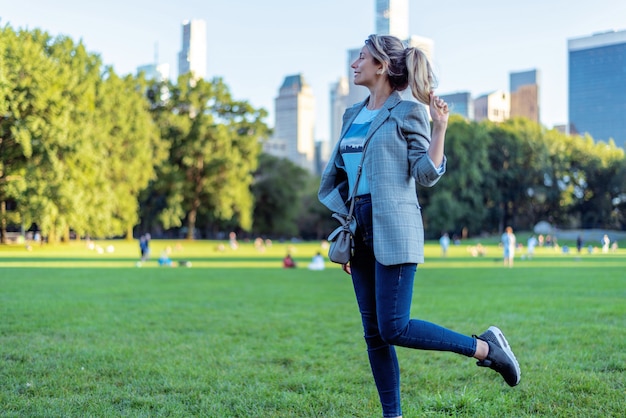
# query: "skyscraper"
[294,127]
[392,18]
[597,86]
[493,106]
[192,57]
[524,88]
[338,96]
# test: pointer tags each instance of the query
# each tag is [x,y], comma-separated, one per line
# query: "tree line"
[518,173]
[87,152]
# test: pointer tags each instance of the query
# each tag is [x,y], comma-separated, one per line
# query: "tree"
[73,135]
[214,143]
[315,221]
[277,191]
[552,192]
[459,201]
[35,128]
[602,189]
[530,160]
[128,141]
[14,149]
[509,164]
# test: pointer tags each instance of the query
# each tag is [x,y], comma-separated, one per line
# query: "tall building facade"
[338,104]
[294,128]
[193,56]
[597,86]
[392,18]
[524,89]
[494,107]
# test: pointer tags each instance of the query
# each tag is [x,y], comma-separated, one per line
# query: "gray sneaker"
[500,357]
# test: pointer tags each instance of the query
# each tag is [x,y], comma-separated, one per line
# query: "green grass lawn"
[84,333]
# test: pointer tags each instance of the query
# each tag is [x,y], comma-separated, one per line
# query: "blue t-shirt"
[351,149]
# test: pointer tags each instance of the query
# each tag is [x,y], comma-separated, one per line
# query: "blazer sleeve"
[333,190]
[416,130]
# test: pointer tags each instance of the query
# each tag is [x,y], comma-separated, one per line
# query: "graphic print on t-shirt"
[351,148]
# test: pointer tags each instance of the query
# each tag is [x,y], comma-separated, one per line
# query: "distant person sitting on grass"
[164,259]
[317,263]
[288,262]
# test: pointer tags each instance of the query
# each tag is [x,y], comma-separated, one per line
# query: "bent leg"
[394,293]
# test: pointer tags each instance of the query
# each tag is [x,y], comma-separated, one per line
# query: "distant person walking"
[508,245]
[144,247]
[530,249]
[606,242]
[444,242]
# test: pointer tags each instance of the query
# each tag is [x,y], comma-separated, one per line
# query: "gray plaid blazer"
[396,158]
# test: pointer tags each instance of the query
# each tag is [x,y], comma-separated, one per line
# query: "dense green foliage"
[518,173]
[214,143]
[277,182]
[235,335]
[77,143]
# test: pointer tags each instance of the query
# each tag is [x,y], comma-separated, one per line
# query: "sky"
[254,44]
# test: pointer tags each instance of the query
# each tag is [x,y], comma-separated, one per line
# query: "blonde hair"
[405,67]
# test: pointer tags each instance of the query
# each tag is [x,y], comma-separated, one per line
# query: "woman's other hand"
[439,111]
[346,268]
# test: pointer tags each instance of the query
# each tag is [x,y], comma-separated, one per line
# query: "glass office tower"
[524,89]
[597,86]
[392,18]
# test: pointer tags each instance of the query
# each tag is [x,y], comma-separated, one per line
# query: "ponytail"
[420,74]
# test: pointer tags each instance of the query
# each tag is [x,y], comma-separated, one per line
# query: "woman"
[389,240]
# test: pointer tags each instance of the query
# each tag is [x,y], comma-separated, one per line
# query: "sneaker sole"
[504,344]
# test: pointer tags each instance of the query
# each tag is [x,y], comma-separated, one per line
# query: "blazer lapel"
[353,112]
[350,116]
[382,116]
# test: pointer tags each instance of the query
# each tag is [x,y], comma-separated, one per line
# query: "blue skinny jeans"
[384,295]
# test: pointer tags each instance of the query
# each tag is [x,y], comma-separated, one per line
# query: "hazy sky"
[254,44]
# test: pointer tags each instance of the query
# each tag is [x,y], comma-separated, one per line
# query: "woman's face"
[365,68]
